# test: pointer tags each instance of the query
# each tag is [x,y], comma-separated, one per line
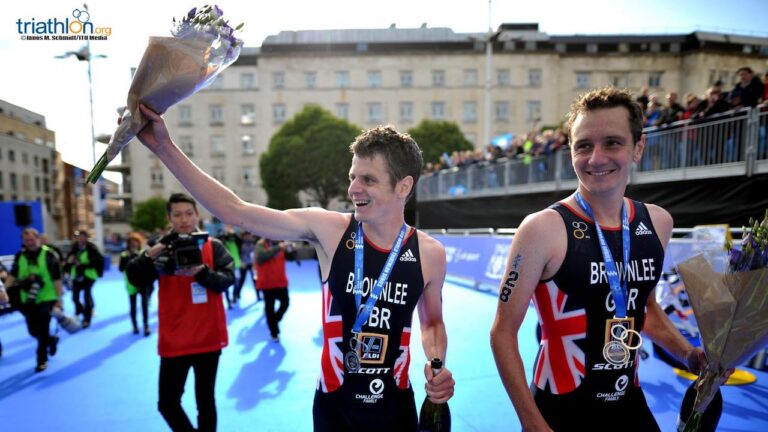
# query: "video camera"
[184,251]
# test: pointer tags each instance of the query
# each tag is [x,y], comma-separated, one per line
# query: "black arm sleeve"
[141,271]
[221,276]
[124,259]
[54,268]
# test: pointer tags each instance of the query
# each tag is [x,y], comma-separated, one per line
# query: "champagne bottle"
[434,417]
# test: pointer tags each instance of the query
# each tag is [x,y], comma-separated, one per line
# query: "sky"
[32,78]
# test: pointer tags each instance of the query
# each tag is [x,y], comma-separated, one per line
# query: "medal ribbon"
[619,290]
[365,311]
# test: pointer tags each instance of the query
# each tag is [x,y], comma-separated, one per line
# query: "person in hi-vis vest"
[85,264]
[37,274]
[135,244]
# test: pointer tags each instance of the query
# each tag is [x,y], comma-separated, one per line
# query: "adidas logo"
[408,256]
[642,230]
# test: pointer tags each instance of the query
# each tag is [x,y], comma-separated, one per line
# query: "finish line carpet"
[105,378]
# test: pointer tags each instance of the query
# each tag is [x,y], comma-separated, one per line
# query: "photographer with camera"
[85,264]
[135,245]
[36,274]
[193,270]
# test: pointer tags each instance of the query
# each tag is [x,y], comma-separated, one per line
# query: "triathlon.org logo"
[642,230]
[79,27]
[408,256]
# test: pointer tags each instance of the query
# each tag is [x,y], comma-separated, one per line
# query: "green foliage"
[309,153]
[149,215]
[435,137]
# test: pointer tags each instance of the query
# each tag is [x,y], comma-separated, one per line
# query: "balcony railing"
[729,145]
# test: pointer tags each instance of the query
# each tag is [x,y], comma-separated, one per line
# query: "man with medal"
[590,263]
[376,270]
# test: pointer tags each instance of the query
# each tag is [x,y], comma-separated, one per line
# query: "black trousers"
[274,316]
[243,274]
[38,317]
[145,294]
[173,377]
[85,286]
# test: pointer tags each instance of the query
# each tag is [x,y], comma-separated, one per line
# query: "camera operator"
[37,275]
[85,264]
[192,324]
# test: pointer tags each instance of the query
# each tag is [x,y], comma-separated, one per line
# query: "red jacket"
[190,325]
[271,273]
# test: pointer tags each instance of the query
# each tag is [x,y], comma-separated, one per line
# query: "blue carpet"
[105,378]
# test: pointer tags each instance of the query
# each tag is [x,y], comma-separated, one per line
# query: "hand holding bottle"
[439,386]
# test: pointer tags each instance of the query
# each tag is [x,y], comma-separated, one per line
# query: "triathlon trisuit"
[574,386]
[378,397]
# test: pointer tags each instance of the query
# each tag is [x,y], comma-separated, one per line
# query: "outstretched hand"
[155,134]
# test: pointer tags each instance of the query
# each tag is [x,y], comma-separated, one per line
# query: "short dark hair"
[603,98]
[179,198]
[399,150]
[745,69]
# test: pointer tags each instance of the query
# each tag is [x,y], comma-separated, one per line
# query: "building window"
[501,111]
[278,80]
[217,145]
[534,111]
[247,114]
[592,48]
[216,115]
[342,79]
[406,78]
[374,79]
[156,177]
[503,78]
[24,158]
[470,77]
[582,79]
[406,112]
[438,78]
[655,47]
[37,184]
[46,185]
[469,112]
[278,113]
[654,79]
[45,166]
[36,161]
[1,180]
[247,81]
[185,144]
[249,176]
[438,110]
[11,156]
[185,115]
[620,80]
[374,112]
[310,79]
[219,174]
[248,146]
[534,77]
[342,110]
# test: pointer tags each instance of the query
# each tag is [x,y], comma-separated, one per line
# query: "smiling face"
[371,192]
[183,217]
[602,151]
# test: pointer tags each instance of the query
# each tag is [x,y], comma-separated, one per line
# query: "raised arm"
[314,225]
[530,259]
[434,339]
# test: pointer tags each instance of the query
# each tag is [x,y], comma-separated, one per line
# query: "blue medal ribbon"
[618,289]
[365,311]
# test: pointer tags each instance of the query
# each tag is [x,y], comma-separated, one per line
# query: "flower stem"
[93,177]
[693,423]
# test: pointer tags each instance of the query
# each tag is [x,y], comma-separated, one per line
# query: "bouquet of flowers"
[729,295]
[173,68]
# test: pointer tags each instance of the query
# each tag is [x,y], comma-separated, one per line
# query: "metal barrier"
[735,142]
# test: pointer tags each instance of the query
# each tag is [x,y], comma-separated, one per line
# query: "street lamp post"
[85,55]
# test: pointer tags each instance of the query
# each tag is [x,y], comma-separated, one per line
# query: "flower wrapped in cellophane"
[173,68]
[729,295]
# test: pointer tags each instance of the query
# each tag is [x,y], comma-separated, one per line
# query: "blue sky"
[58,89]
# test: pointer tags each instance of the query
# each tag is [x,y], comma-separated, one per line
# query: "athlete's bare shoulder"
[662,221]
[543,239]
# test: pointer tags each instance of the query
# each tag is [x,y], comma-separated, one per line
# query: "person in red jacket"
[272,281]
[192,327]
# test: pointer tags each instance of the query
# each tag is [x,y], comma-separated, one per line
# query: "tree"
[309,153]
[438,137]
[149,215]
